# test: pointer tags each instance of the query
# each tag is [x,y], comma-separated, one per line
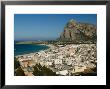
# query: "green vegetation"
[16,63]
[88,72]
[19,72]
[42,71]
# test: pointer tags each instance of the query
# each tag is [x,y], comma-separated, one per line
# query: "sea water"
[20,49]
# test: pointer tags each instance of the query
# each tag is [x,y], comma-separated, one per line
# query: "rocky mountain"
[77,32]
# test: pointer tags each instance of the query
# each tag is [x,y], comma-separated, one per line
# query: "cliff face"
[79,32]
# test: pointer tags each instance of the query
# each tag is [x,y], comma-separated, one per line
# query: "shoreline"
[31,53]
[60,57]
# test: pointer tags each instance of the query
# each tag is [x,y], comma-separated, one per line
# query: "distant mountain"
[79,32]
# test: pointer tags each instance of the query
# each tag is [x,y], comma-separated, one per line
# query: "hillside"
[79,32]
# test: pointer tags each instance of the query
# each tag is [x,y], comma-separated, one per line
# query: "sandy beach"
[64,60]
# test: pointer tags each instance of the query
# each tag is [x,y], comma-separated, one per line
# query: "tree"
[42,71]
[16,63]
[38,70]
[35,72]
[19,72]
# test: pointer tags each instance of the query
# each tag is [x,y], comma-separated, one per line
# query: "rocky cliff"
[77,32]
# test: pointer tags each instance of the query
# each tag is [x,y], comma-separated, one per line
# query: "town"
[63,60]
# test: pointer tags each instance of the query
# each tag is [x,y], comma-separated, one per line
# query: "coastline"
[31,53]
[43,57]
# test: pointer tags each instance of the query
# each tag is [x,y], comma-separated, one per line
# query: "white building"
[78,69]
[63,72]
[57,61]
[48,63]
[60,57]
[69,61]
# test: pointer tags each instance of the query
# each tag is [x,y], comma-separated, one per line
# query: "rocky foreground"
[68,60]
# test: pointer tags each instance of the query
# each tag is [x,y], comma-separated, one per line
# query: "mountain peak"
[79,32]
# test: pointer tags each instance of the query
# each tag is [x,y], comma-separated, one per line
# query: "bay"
[20,49]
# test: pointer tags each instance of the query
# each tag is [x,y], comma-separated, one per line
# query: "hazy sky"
[45,26]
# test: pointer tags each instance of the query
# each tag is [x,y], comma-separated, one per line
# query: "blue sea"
[20,49]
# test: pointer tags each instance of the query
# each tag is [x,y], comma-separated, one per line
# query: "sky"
[45,26]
